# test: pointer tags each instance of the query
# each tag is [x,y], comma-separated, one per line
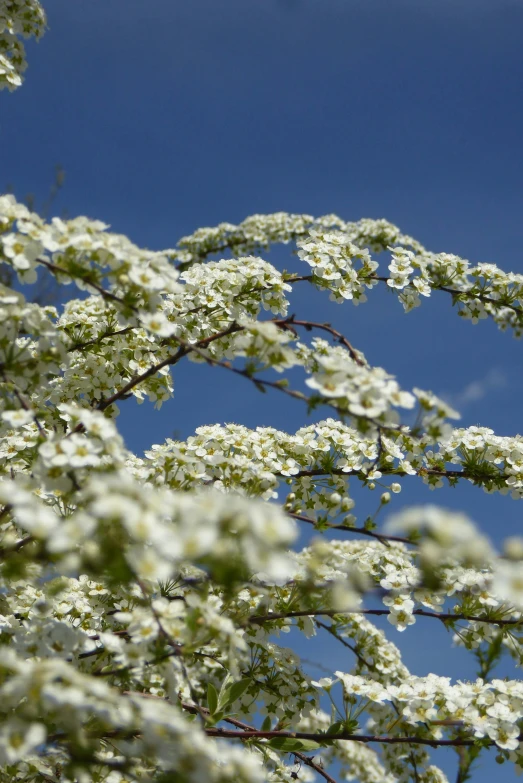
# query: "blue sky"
[168,116]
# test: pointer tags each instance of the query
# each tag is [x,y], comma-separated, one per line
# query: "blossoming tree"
[142,600]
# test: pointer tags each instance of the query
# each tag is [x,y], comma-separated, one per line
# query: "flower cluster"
[143,599]
[81,250]
[51,693]
[489,709]
[368,392]
[258,232]
[24,18]
[223,292]
[480,291]
[329,244]
[446,534]
[331,256]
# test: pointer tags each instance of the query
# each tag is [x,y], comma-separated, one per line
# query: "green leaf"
[267,723]
[212,698]
[309,744]
[231,691]
[215,718]
[336,728]
[261,388]
[289,744]
[350,726]
[286,744]
[237,689]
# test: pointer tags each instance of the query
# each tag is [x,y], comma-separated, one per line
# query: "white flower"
[448,534]
[158,323]
[507,582]
[401,618]
[19,739]
[17,418]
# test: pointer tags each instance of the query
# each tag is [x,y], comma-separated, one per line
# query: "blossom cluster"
[330,245]
[481,291]
[258,232]
[491,709]
[50,692]
[331,256]
[24,18]
[80,502]
[143,599]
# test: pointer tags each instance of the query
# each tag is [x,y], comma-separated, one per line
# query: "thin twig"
[105,294]
[309,325]
[382,537]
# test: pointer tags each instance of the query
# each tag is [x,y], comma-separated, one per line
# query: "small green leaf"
[237,689]
[215,718]
[231,691]
[309,744]
[350,726]
[212,698]
[267,723]
[286,744]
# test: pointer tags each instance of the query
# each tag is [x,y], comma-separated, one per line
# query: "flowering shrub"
[142,599]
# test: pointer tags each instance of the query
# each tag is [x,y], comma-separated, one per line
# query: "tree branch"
[382,537]
[442,616]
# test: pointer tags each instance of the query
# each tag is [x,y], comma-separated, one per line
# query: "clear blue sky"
[168,116]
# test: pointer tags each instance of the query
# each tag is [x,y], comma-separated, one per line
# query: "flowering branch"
[246,727]
[363,531]
[291,321]
[442,616]
[85,279]
[326,739]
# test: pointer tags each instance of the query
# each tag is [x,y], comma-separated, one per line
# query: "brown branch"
[421,472]
[309,325]
[458,293]
[19,544]
[173,643]
[295,394]
[256,381]
[299,279]
[452,291]
[246,727]
[389,472]
[103,293]
[382,537]
[359,656]
[481,297]
[442,616]
[182,351]
[173,359]
[98,340]
[343,737]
